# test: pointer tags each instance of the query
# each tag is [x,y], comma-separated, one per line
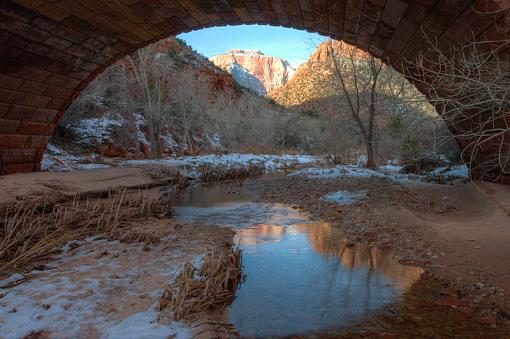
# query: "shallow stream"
[302,277]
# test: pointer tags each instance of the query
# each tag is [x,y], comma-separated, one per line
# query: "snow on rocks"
[94,131]
[140,122]
[58,160]
[91,132]
[169,141]
[215,142]
[345,197]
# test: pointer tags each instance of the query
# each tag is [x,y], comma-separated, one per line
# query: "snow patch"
[92,166]
[243,77]
[91,288]
[450,172]
[144,324]
[390,169]
[140,122]
[169,141]
[247,52]
[215,142]
[93,131]
[392,172]
[58,160]
[345,197]
[338,171]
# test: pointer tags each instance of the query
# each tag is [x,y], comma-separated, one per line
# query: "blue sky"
[290,44]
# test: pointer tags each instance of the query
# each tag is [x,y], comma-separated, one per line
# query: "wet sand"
[40,183]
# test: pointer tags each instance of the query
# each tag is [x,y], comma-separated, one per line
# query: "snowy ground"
[57,159]
[190,164]
[89,291]
[345,197]
[389,171]
[104,289]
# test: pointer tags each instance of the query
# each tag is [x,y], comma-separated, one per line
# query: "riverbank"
[457,233]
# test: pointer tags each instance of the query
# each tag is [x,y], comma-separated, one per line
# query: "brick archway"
[51,49]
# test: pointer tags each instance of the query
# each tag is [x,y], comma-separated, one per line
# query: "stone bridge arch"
[51,49]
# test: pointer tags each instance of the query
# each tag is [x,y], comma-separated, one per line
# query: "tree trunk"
[371,164]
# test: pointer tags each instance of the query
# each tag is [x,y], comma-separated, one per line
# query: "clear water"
[301,276]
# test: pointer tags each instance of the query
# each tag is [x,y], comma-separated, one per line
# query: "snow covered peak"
[250,52]
[252,69]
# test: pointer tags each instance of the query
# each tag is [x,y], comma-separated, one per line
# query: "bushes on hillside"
[165,103]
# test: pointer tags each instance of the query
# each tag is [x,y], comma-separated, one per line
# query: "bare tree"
[121,85]
[470,87]
[358,83]
[150,71]
[190,107]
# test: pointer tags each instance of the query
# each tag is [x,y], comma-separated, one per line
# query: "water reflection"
[301,275]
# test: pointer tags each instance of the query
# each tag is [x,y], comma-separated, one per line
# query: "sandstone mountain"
[254,70]
[314,81]
[187,60]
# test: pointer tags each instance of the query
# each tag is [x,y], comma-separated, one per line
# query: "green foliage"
[182,42]
[175,56]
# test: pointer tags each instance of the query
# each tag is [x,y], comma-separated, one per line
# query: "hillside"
[185,59]
[254,70]
[99,123]
[201,109]
[314,82]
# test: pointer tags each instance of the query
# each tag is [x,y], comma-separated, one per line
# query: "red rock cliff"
[252,69]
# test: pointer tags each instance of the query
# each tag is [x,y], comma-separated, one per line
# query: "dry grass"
[32,228]
[198,291]
[210,173]
[166,175]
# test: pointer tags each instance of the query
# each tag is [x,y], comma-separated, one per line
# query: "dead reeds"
[32,228]
[210,173]
[167,175]
[198,291]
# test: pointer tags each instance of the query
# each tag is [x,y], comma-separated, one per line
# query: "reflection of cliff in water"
[329,241]
[261,234]
[301,276]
